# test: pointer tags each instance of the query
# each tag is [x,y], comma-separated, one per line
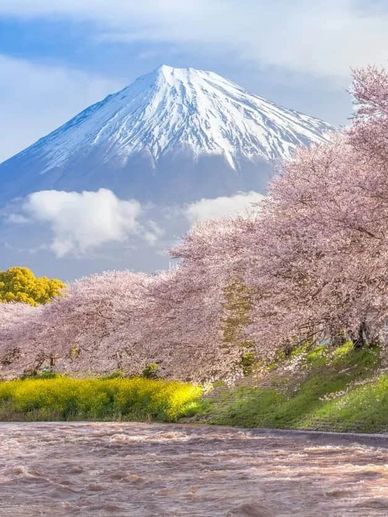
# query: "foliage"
[248,362]
[317,356]
[19,284]
[150,371]
[63,398]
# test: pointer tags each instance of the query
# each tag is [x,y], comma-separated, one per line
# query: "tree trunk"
[362,337]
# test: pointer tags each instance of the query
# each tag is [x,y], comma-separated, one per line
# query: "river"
[132,469]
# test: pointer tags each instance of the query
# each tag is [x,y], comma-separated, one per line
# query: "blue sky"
[59,56]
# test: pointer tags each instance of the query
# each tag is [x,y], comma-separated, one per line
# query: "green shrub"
[340,353]
[150,371]
[317,356]
[247,362]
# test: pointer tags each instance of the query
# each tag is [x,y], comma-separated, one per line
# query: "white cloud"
[321,37]
[153,233]
[17,219]
[221,207]
[83,221]
[46,95]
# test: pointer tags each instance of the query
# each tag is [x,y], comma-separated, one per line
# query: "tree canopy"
[19,284]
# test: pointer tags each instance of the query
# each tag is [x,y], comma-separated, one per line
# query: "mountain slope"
[185,130]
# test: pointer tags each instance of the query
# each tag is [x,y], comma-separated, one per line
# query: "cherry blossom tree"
[321,241]
[315,257]
[120,321]
[310,264]
[17,338]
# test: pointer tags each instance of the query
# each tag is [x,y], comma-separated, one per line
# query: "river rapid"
[131,469]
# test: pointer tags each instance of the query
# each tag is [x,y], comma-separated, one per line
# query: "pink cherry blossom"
[310,264]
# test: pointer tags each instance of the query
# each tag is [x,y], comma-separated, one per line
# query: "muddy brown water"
[130,469]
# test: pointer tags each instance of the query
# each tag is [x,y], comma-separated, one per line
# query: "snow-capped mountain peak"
[176,145]
[181,128]
[174,109]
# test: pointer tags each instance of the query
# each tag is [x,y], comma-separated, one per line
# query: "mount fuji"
[173,135]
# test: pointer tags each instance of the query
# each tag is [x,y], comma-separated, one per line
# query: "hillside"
[316,388]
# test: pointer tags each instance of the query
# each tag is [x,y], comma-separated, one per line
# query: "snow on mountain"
[164,120]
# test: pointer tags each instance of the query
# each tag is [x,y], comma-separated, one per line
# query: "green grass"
[63,398]
[340,391]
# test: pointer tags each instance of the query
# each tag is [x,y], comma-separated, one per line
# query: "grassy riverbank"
[339,390]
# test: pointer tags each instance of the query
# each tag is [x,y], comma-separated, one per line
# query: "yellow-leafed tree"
[19,284]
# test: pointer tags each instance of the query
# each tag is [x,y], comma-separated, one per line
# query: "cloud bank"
[80,222]
[223,206]
[324,37]
[77,223]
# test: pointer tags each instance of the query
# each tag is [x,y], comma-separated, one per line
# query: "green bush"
[150,371]
[247,362]
[317,356]
[63,398]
